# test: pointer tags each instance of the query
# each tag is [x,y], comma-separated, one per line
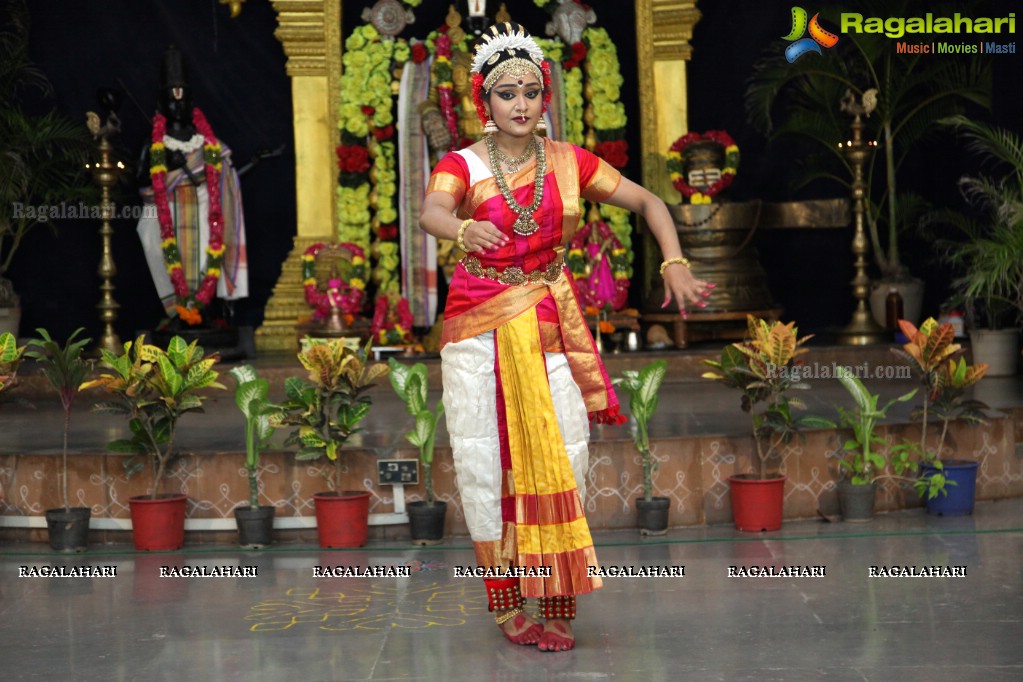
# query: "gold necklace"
[514,163]
[526,224]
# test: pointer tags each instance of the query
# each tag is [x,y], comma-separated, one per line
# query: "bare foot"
[557,635]
[521,629]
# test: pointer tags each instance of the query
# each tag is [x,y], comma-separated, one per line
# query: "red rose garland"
[392,331]
[677,171]
[188,303]
[445,88]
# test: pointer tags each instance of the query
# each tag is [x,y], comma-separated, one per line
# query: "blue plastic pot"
[961,496]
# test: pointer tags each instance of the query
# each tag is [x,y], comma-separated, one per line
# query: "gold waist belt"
[513,274]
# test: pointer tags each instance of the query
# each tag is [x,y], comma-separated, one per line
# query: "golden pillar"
[310,31]
[663,31]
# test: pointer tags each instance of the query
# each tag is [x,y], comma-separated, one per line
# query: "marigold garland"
[350,293]
[189,303]
[676,165]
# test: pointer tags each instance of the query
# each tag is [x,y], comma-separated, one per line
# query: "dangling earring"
[490,128]
[541,125]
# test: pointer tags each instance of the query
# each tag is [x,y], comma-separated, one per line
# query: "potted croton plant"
[948,485]
[426,517]
[643,388]
[252,396]
[154,388]
[326,411]
[65,369]
[866,458]
[762,368]
[10,358]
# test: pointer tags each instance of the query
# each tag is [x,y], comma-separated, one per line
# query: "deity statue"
[469,122]
[193,231]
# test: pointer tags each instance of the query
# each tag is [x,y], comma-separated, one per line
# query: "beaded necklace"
[526,224]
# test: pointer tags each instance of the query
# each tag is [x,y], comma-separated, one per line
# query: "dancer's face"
[516,103]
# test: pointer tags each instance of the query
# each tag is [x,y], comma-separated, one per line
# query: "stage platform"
[699,436]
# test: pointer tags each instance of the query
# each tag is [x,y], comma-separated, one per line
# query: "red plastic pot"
[158,525]
[757,503]
[342,519]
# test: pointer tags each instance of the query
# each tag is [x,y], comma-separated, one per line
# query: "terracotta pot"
[757,503]
[342,519]
[158,525]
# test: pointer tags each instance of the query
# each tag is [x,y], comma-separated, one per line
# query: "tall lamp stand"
[862,330]
[105,172]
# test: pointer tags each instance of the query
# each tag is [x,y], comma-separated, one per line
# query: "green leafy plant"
[65,369]
[643,388]
[762,368]
[328,408]
[154,388]
[10,359]
[913,93]
[252,396]
[412,385]
[42,156]
[931,353]
[987,252]
[864,462]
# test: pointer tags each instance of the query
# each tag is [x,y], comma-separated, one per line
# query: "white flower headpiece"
[501,42]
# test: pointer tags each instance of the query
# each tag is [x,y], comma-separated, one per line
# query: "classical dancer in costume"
[522,378]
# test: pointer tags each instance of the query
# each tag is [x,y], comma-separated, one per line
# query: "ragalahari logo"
[818,36]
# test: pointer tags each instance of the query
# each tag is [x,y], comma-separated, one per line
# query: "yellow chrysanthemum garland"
[367,214]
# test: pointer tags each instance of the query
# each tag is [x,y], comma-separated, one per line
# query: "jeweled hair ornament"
[504,38]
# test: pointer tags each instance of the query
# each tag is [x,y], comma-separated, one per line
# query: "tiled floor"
[286,624]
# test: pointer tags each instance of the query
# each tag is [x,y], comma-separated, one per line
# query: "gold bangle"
[681,260]
[461,234]
[507,615]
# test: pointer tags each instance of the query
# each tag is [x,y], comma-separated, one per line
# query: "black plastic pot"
[69,528]
[856,501]
[426,523]
[255,526]
[652,515]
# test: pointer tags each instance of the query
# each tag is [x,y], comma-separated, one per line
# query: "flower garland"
[350,293]
[392,329]
[604,80]
[189,303]
[445,87]
[367,185]
[580,263]
[676,165]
